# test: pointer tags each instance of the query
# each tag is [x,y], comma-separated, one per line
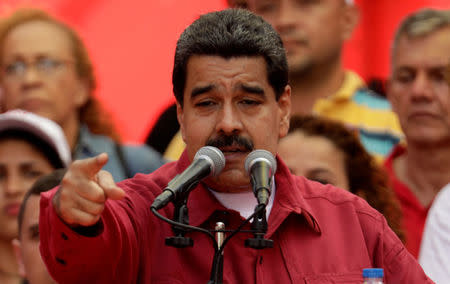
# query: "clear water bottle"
[373,275]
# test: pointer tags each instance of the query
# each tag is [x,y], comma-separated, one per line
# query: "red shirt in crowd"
[320,234]
[414,213]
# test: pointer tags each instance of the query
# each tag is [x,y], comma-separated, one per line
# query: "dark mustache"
[232,140]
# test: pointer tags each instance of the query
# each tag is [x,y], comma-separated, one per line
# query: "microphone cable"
[217,251]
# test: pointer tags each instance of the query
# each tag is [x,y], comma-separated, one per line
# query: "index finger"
[90,166]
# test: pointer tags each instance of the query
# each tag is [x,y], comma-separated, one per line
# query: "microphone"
[261,166]
[207,161]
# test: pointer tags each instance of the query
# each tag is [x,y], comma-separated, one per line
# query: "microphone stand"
[180,215]
[259,226]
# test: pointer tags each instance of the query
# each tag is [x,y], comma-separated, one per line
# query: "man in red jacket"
[420,96]
[230,82]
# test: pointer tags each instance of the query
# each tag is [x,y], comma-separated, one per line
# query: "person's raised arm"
[75,245]
[81,198]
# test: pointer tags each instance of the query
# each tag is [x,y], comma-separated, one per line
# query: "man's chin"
[299,64]
[229,181]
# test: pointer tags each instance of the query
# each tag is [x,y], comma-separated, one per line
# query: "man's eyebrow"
[201,90]
[252,89]
[441,68]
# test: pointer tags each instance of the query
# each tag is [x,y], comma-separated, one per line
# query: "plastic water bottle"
[373,275]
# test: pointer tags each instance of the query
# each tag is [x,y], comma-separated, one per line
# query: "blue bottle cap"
[373,272]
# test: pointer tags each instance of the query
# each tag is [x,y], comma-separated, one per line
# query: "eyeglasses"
[44,66]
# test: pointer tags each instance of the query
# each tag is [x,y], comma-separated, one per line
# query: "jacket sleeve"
[74,258]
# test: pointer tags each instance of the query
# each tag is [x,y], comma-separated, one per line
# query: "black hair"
[43,184]
[37,142]
[231,33]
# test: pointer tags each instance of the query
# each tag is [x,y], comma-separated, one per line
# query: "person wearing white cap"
[30,147]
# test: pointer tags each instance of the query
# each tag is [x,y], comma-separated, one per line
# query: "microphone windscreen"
[260,155]
[214,156]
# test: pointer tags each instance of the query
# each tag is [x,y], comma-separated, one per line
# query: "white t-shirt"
[434,253]
[244,202]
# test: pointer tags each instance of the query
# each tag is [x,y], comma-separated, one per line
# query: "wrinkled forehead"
[432,49]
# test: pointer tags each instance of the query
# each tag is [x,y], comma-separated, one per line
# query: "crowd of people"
[361,181]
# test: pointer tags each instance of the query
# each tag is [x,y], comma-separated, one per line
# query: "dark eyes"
[33,173]
[44,64]
[244,102]
[205,104]
[437,76]
[25,173]
[405,77]
[250,102]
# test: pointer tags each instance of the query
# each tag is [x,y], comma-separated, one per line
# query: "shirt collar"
[352,82]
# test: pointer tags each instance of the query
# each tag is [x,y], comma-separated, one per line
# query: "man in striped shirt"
[313,33]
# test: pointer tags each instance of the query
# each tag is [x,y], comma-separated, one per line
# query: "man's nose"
[228,121]
[422,88]
[286,17]
[14,186]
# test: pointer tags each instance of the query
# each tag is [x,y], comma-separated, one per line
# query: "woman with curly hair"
[328,152]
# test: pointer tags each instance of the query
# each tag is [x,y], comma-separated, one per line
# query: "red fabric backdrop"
[132,45]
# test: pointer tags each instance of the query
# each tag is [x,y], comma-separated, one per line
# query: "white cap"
[50,132]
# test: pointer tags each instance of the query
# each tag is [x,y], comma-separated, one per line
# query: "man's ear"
[18,253]
[180,117]
[284,105]
[350,20]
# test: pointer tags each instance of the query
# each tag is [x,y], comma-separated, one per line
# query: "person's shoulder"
[142,158]
[328,195]
[94,142]
[142,152]
[155,181]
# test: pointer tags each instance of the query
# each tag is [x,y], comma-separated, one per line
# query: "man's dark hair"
[231,33]
[43,184]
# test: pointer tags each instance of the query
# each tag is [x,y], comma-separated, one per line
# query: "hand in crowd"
[84,190]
